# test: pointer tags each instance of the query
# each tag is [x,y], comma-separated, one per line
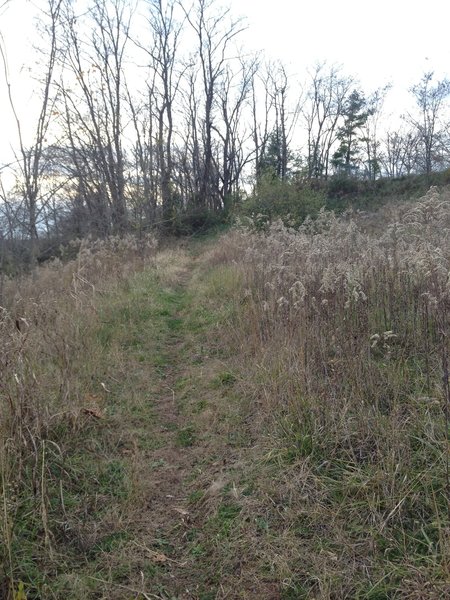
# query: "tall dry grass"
[346,328]
[48,363]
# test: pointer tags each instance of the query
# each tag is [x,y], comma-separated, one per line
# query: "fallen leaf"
[159,557]
[181,511]
[93,412]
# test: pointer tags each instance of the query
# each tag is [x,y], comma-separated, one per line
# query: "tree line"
[153,110]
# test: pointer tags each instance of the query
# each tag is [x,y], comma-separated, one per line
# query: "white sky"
[377,41]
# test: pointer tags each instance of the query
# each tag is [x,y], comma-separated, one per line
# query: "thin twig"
[126,587]
[446,390]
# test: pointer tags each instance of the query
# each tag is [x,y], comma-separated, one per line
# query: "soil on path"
[188,539]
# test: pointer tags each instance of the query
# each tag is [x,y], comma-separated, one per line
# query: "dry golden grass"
[51,388]
[276,402]
[343,329]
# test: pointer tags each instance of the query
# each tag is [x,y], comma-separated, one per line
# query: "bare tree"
[428,123]
[145,188]
[215,31]
[189,154]
[165,32]
[31,156]
[325,102]
[94,116]
[260,124]
[399,152]
[233,96]
[370,136]
[285,118]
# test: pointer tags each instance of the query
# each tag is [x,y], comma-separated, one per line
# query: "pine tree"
[356,113]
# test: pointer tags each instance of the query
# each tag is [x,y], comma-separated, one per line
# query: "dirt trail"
[190,524]
[168,513]
[187,472]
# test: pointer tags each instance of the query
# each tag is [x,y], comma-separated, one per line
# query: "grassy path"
[143,478]
[174,477]
[171,524]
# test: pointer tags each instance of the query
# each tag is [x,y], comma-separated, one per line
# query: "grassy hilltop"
[257,415]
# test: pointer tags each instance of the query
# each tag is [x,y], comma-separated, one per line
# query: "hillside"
[255,415]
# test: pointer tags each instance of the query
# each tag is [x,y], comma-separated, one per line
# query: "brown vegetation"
[345,338]
[50,386]
[265,416]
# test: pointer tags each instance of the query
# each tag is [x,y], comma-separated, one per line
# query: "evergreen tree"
[355,114]
[277,161]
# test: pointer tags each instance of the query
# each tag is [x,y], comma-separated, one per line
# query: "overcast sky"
[379,42]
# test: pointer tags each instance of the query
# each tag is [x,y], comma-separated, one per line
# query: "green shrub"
[196,221]
[290,201]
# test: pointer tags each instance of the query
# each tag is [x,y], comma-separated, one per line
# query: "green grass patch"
[186,437]
[225,520]
[196,496]
[224,379]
